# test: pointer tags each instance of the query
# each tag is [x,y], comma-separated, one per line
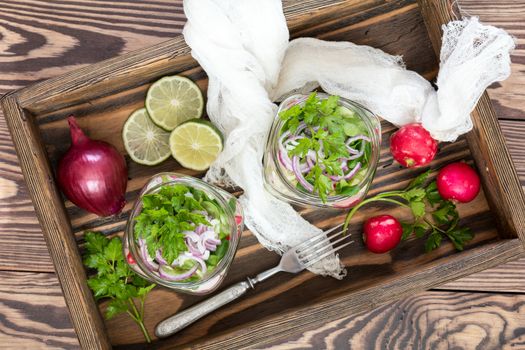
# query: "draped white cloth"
[243,47]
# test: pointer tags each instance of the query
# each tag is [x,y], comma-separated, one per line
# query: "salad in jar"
[181,233]
[323,150]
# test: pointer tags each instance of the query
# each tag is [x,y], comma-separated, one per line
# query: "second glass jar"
[281,182]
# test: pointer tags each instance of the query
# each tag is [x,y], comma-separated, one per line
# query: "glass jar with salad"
[322,151]
[183,233]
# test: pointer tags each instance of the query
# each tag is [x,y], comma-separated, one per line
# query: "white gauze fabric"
[243,47]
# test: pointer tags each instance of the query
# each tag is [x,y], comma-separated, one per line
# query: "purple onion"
[199,260]
[344,165]
[159,258]
[299,176]
[210,246]
[193,249]
[148,261]
[301,127]
[355,156]
[200,229]
[284,159]
[347,176]
[356,138]
[353,150]
[171,277]
[192,235]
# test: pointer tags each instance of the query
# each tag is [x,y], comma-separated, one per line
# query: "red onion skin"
[92,174]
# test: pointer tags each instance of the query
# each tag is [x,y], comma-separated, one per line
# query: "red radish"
[412,146]
[382,233]
[458,181]
[92,174]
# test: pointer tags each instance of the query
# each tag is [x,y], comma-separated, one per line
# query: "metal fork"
[294,260]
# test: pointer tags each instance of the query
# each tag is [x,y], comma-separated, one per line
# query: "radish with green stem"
[434,217]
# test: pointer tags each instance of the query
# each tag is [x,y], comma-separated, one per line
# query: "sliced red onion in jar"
[148,261]
[348,176]
[192,235]
[210,246]
[168,273]
[300,178]
[159,258]
[193,248]
[200,261]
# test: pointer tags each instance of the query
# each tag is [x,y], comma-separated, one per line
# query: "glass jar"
[279,181]
[210,280]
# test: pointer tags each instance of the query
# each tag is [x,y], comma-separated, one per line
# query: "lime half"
[196,144]
[173,100]
[144,141]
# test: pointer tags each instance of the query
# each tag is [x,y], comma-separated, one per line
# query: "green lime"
[195,144]
[173,100]
[144,141]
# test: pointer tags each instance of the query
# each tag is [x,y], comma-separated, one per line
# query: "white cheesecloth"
[243,47]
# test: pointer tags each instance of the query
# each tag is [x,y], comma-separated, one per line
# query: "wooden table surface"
[40,39]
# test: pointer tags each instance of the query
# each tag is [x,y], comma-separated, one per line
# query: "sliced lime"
[144,141]
[196,144]
[173,100]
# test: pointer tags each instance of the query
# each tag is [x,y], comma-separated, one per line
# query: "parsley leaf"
[438,220]
[433,241]
[408,228]
[326,126]
[115,279]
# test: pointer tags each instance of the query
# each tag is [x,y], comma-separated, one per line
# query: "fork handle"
[183,319]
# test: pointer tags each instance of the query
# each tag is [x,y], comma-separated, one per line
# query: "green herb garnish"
[434,217]
[174,209]
[324,127]
[115,279]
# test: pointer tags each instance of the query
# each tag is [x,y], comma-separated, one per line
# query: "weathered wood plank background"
[41,39]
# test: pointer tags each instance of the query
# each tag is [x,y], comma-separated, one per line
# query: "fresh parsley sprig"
[434,217]
[172,210]
[115,280]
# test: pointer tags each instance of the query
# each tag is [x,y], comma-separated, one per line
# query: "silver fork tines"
[294,260]
[321,246]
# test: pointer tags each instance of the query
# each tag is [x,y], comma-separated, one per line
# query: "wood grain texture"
[33,313]
[56,227]
[430,320]
[486,142]
[107,92]
[39,40]
[19,223]
[516,133]
[508,96]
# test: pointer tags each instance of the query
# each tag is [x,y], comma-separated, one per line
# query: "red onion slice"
[148,261]
[193,248]
[357,138]
[159,258]
[192,235]
[168,273]
[200,229]
[300,178]
[301,127]
[200,261]
[348,176]
[210,246]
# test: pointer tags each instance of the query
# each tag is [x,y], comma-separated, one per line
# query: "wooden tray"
[104,94]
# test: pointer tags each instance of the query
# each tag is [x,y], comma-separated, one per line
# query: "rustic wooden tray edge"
[500,182]
[310,316]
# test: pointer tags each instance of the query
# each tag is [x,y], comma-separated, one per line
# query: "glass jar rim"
[200,185]
[278,123]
